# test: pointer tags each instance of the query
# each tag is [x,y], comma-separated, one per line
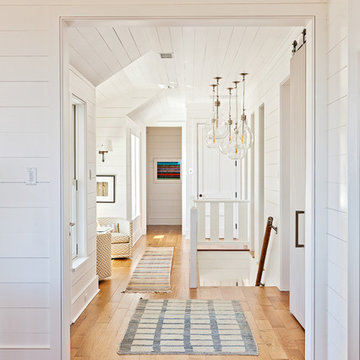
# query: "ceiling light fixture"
[216,130]
[235,138]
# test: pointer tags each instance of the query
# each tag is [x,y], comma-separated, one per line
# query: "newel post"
[193,248]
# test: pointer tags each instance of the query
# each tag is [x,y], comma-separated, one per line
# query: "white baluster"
[214,221]
[243,222]
[228,221]
[201,220]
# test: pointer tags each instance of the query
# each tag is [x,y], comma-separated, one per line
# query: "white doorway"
[218,177]
[309,120]
[164,175]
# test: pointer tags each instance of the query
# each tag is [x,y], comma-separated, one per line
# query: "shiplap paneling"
[113,124]
[267,93]
[24,43]
[115,164]
[24,295]
[191,47]
[27,213]
[16,270]
[24,119]
[337,179]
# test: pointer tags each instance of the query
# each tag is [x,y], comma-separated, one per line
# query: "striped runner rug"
[152,274]
[198,327]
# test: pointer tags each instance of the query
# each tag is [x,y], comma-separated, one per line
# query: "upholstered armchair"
[121,236]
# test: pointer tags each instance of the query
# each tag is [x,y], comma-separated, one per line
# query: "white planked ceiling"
[124,60]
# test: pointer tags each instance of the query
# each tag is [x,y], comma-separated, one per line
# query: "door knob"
[72,224]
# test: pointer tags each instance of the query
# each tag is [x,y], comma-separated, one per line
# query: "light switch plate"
[31,176]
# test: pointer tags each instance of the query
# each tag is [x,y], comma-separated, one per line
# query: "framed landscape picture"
[168,171]
[105,188]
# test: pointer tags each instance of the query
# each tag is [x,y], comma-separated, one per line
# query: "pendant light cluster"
[233,138]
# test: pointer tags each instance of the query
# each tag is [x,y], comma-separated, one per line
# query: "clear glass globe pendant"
[215,130]
[246,134]
[236,149]
[233,139]
[226,144]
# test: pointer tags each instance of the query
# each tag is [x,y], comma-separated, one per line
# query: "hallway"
[99,330]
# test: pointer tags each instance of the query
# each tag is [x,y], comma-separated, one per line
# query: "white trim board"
[353,344]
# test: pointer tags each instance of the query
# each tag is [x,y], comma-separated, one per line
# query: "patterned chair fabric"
[121,237]
[103,255]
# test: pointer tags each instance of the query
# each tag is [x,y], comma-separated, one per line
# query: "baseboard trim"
[95,279]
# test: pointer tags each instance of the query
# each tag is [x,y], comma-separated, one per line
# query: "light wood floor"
[99,330]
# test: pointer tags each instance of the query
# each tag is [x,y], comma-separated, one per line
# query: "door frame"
[353,181]
[316,198]
[284,230]
[183,171]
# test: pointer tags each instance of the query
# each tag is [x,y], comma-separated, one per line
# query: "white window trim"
[82,181]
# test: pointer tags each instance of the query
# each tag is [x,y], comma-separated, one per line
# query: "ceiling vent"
[166,55]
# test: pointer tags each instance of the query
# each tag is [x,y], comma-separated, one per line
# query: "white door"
[218,177]
[297,183]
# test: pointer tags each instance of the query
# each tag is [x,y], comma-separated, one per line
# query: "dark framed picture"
[105,188]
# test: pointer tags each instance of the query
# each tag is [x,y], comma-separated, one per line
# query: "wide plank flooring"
[99,330]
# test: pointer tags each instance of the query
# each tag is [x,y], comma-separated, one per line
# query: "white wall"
[84,280]
[110,125]
[267,93]
[337,179]
[163,199]
[30,239]
[354,181]
[115,164]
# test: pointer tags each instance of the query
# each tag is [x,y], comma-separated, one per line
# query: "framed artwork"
[167,171]
[105,188]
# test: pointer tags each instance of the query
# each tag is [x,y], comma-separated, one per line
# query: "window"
[135,176]
[77,176]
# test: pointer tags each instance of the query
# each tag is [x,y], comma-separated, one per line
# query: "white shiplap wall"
[29,214]
[337,179]
[115,164]
[84,279]
[112,124]
[267,93]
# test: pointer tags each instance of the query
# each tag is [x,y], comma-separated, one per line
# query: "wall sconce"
[105,147]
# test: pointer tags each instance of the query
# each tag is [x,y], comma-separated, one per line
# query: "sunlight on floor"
[157,237]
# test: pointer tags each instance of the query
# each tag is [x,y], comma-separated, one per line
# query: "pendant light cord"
[237,105]
[229,103]
[243,102]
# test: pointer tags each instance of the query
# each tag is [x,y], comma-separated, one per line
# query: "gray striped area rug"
[152,274]
[202,327]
